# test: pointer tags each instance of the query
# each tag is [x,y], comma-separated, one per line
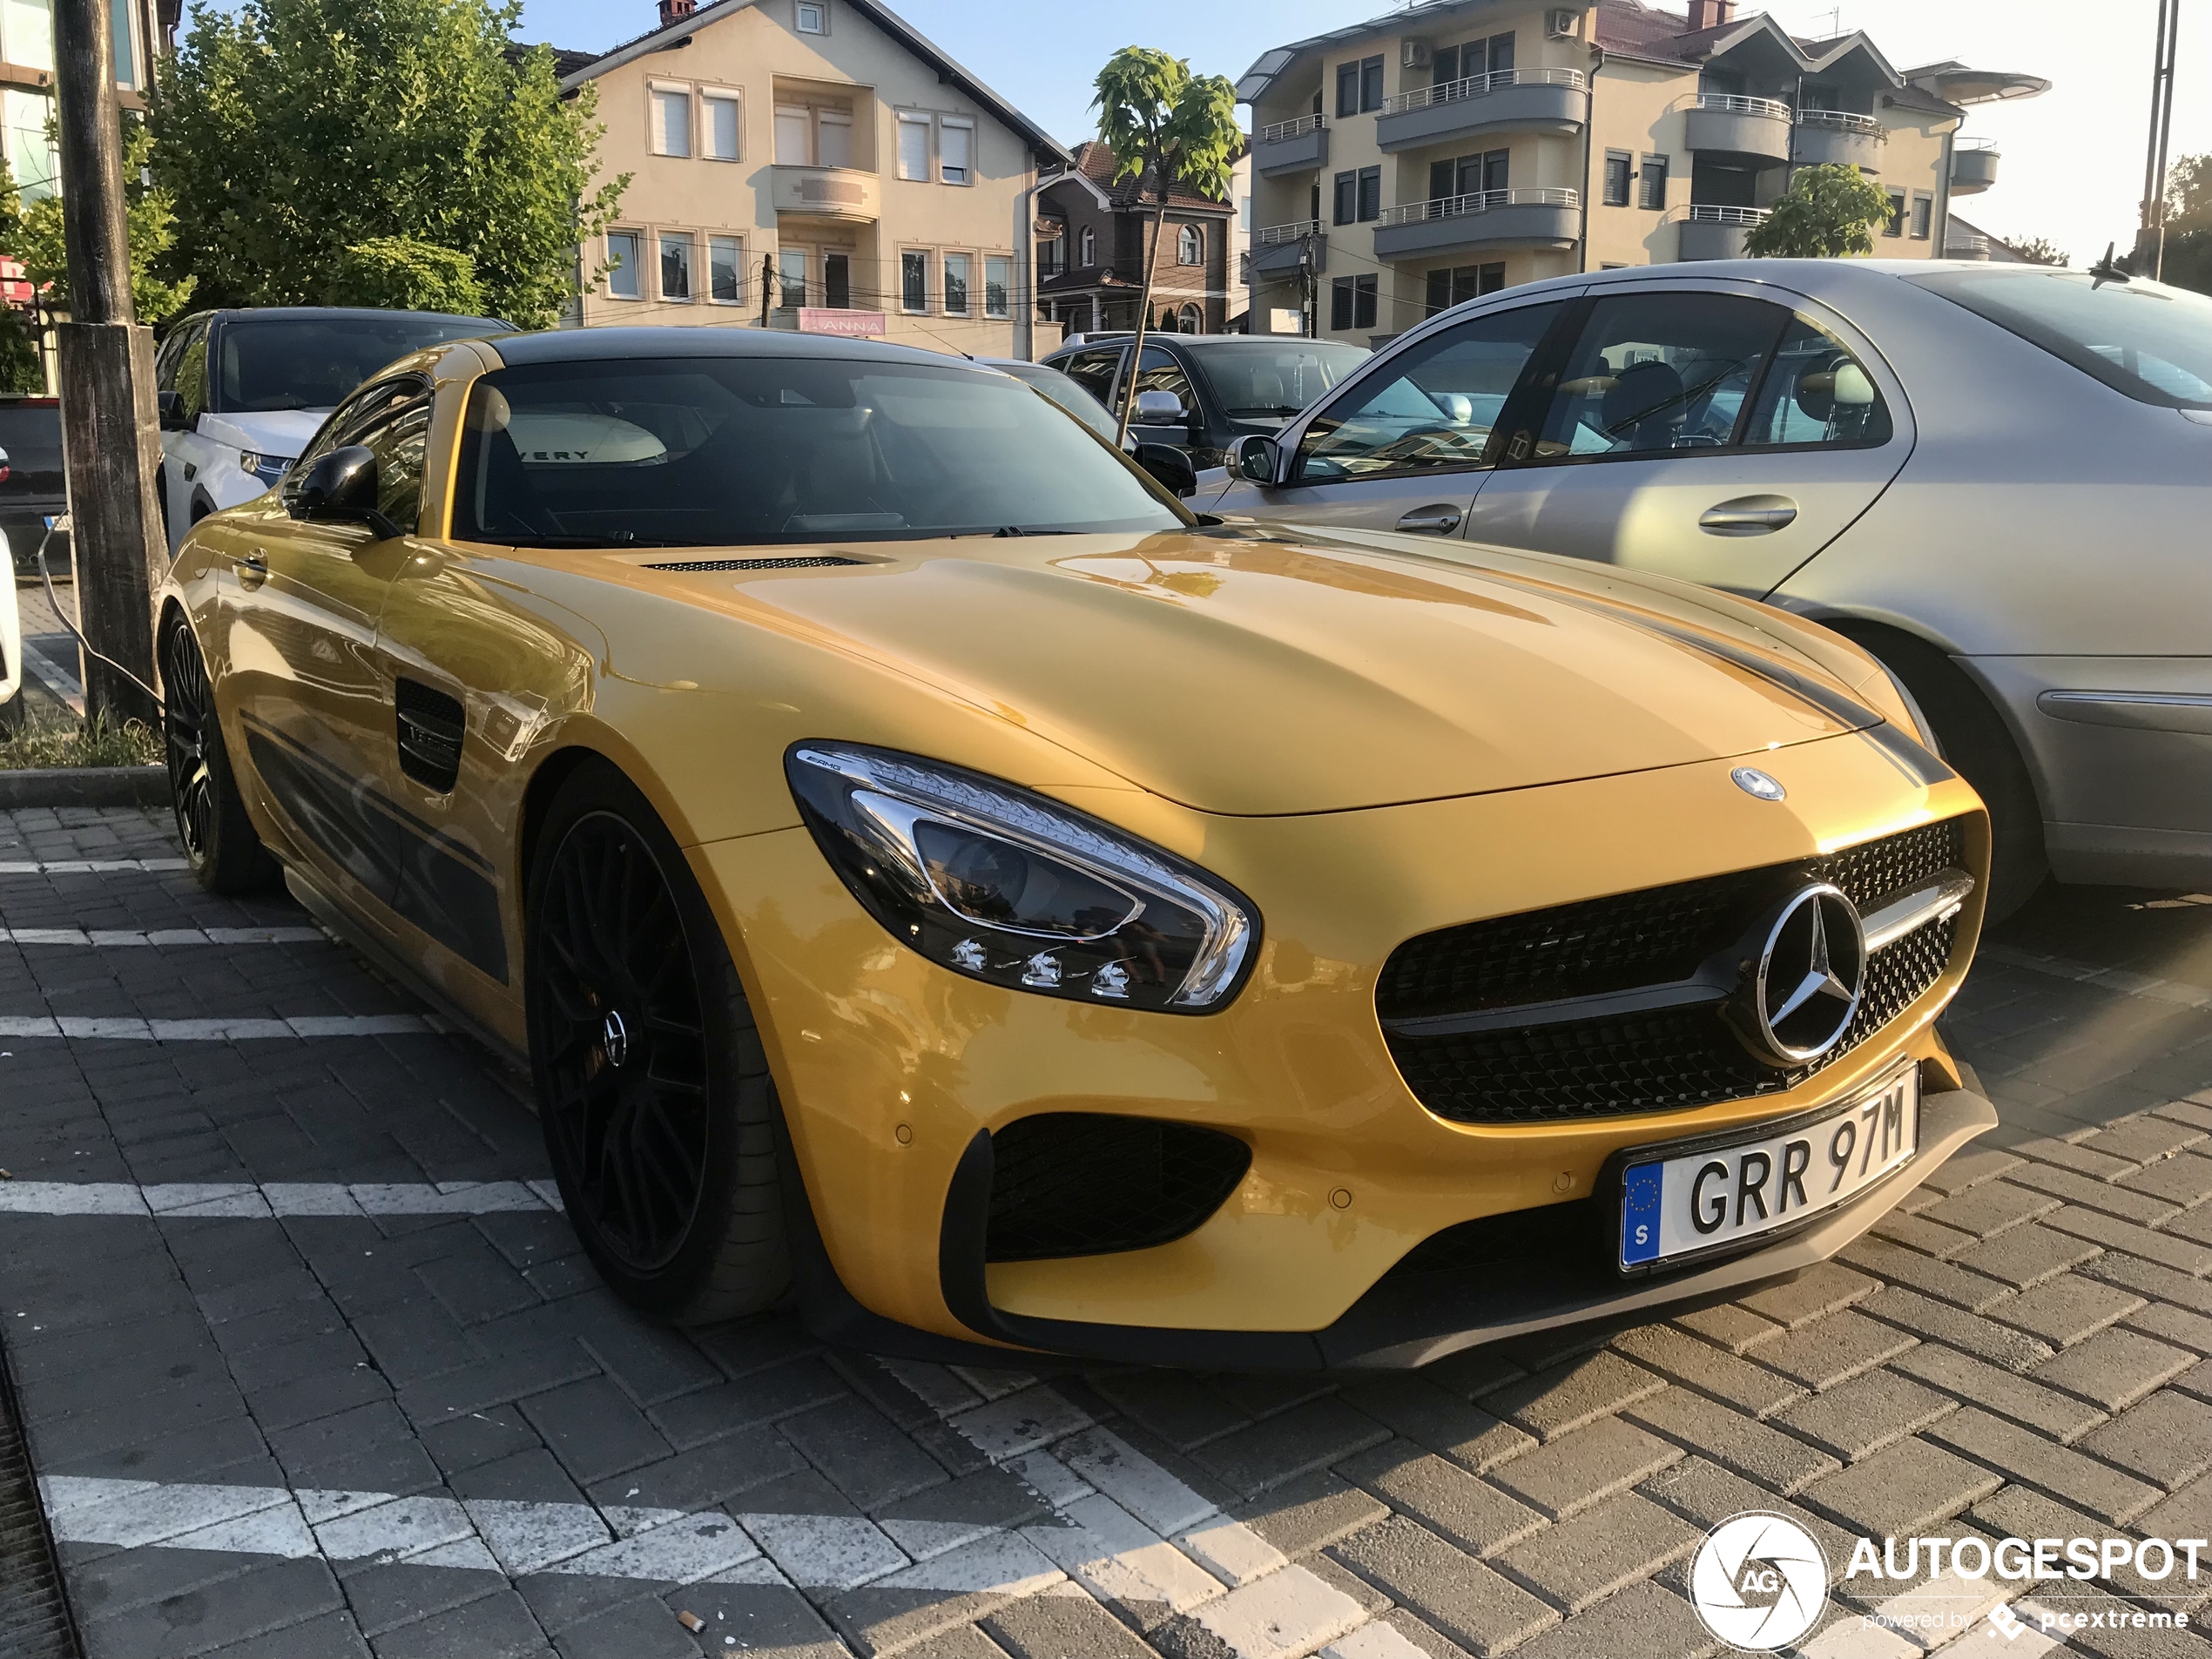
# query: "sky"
[2073,159]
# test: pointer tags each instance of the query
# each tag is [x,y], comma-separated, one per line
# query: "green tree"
[1828,213]
[322,145]
[2037,250]
[1167,126]
[150,219]
[20,369]
[404,275]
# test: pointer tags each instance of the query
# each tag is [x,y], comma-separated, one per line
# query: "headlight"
[1007,887]
[268,468]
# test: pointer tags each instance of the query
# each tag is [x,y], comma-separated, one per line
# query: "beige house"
[1460,146]
[811,164]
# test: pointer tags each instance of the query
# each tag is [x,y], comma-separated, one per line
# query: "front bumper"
[890,1069]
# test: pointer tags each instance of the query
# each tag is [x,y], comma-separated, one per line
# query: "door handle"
[1440,520]
[252,569]
[1748,515]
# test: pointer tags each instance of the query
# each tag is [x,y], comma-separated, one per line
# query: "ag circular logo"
[1759,1581]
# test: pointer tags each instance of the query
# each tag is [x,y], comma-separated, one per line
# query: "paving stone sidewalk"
[341,1384]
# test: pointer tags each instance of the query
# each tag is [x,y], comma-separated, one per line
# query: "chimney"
[676,11]
[1711,14]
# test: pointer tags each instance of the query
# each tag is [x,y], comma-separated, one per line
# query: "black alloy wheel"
[220,843]
[657,1111]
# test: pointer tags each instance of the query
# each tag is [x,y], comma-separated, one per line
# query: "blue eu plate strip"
[1640,1215]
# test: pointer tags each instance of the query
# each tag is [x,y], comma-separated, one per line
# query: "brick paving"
[369,1430]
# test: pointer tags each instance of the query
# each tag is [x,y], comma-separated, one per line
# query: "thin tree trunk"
[1143,309]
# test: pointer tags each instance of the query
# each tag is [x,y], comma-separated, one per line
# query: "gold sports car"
[935,877]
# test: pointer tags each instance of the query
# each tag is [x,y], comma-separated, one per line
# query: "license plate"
[1678,1203]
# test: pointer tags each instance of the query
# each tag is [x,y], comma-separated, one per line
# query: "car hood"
[1262,673]
[273,432]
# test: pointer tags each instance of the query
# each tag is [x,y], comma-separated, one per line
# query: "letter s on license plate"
[1684,1204]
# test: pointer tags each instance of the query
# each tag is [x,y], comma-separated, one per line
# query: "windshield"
[1261,379]
[2151,342]
[742,451]
[1066,393]
[314,362]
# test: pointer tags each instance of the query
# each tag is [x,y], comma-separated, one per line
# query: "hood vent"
[811,562]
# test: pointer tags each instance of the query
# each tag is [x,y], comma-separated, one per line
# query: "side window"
[353,421]
[399,445]
[1094,371]
[191,373]
[1432,408]
[1160,373]
[1816,392]
[1657,373]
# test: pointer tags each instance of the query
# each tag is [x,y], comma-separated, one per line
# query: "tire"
[660,1115]
[1975,740]
[220,843]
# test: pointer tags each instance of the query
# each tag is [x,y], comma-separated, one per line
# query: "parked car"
[11,653]
[1993,477]
[1063,392]
[1202,392]
[926,866]
[241,391]
[31,489]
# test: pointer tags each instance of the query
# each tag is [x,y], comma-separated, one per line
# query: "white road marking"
[1375,1640]
[122,938]
[297,1028]
[828,1552]
[244,1200]
[1287,1613]
[88,866]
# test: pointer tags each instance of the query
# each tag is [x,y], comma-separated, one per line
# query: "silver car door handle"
[1748,515]
[1431,520]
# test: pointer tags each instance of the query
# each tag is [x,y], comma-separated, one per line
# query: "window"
[837,281]
[725,270]
[1659,373]
[811,17]
[1347,197]
[1190,321]
[2155,348]
[1371,84]
[399,445]
[996,269]
[719,125]
[1190,245]
[671,122]
[1816,392]
[1653,180]
[956,265]
[1244,214]
[1895,224]
[793,149]
[957,151]
[1447,288]
[1434,408]
[1500,53]
[623,280]
[1923,214]
[27,33]
[1096,371]
[127,73]
[675,265]
[1444,63]
[791,277]
[1160,373]
[1348,89]
[1352,302]
[832,139]
[1370,193]
[913,146]
[1089,245]
[1620,167]
[914,280]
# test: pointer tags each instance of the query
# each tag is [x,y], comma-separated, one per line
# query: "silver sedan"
[1996,478]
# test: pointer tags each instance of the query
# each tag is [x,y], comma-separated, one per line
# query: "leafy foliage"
[1828,213]
[150,219]
[402,273]
[2037,250]
[62,739]
[310,143]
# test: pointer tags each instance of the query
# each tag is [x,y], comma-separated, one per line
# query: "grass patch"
[65,740]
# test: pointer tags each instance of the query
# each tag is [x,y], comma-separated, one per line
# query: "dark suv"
[31,434]
[1225,386]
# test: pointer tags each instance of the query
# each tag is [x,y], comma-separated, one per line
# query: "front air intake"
[1083,1184]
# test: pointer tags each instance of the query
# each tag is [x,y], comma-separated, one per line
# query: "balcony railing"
[1705,213]
[1273,235]
[1480,201]
[1476,85]
[1735,104]
[1283,132]
[1969,246]
[1957,144]
[1843,121]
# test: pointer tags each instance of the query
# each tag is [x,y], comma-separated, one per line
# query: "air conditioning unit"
[1413,54]
[1560,21]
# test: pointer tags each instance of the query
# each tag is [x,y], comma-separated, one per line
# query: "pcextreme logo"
[1759,1581]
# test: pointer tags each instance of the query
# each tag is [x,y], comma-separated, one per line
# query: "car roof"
[599,345]
[308,313]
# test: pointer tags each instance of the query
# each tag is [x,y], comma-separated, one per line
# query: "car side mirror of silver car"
[1258,458]
[341,488]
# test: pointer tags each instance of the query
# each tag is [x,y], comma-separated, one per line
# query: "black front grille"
[807,562]
[1638,1063]
[1082,1183]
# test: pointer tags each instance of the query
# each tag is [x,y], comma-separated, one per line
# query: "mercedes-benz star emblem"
[614,1040]
[1752,781]
[1812,971]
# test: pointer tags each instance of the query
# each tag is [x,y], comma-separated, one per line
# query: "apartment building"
[816,164]
[142,29]
[1457,147]
[1095,238]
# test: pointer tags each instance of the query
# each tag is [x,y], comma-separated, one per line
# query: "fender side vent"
[430,724]
[1084,1184]
[813,561]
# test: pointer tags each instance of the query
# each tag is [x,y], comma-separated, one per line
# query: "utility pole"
[111,433]
[2151,238]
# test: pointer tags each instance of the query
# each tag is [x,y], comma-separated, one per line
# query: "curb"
[86,786]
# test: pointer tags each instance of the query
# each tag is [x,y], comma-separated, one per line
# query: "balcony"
[1717,232]
[1973,166]
[1521,100]
[1525,218]
[1963,245]
[1755,131]
[825,193]
[1841,136]
[1290,146]
[1278,250]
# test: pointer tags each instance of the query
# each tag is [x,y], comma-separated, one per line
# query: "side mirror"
[1258,458]
[172,411]
[341,488]
[1170,466]
[1158,409]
